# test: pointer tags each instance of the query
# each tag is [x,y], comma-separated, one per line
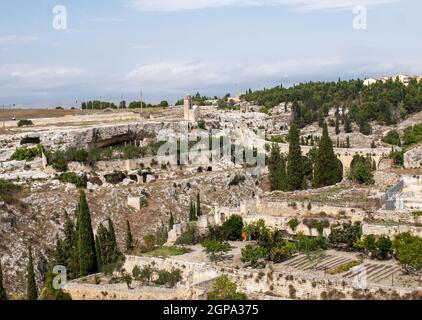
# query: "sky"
[166,48]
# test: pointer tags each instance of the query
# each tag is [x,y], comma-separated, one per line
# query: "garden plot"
[376,273]
[333,262]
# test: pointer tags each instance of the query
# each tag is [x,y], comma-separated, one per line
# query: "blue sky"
[171,47]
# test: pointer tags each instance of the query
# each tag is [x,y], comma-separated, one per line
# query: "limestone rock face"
[413,158]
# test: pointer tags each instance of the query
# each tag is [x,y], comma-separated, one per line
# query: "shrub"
[308,244]
[384,247]
[144,275]
[293,224]
[397,157]
[58,161]
[149,242]
[26,154]
[77,180]
[252,254]
[392,137]
[189,237]
[169,279]
[361,170]
[225,289]
[201,124]
[25,123]
[8,191]
[237,180]
[345,235]
[216,233]
[215,249]
[233,227]
[255,229]
[115,177]
[282,252]
[412,135]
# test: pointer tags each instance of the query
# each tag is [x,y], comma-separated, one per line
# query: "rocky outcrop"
[413,158]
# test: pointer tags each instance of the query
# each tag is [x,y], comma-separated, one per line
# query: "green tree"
[66,249]
[106,246]
[384,246]
[192,212]
[98,251]
[337,124]
[215,249]
[295,170]
[171,221]
[348,125]
[293,224]
[225,289]
[114,249]
[392,137]
[277,169]
[31,285]
[232,228]
[3,295]
[85,239]
[361,170]
[327,170]
[130,244]
[409,252]
[198,205]
[252,255]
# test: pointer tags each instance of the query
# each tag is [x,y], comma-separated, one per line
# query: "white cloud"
[107,20]
[178,5]
[176,75]
[23,71]
[198,74]
[21,77]
[13,39]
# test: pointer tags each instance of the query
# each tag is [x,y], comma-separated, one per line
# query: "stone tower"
[187,107]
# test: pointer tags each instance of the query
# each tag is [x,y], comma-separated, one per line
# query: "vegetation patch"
[8,191]
[79,181]
[345,267]
[25,123]
[26,154]
[167,251]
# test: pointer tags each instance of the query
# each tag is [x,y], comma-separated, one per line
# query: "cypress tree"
[277,169]
[98,252]
[130,245]
[348,124]
[348,142]
[86,244]
[3,295]
[337,124]
[171,222]
[59,253]
[31,285]
[114,249]
[198,205]
[192,212]
[69,247]
[295,170]
[327,170]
